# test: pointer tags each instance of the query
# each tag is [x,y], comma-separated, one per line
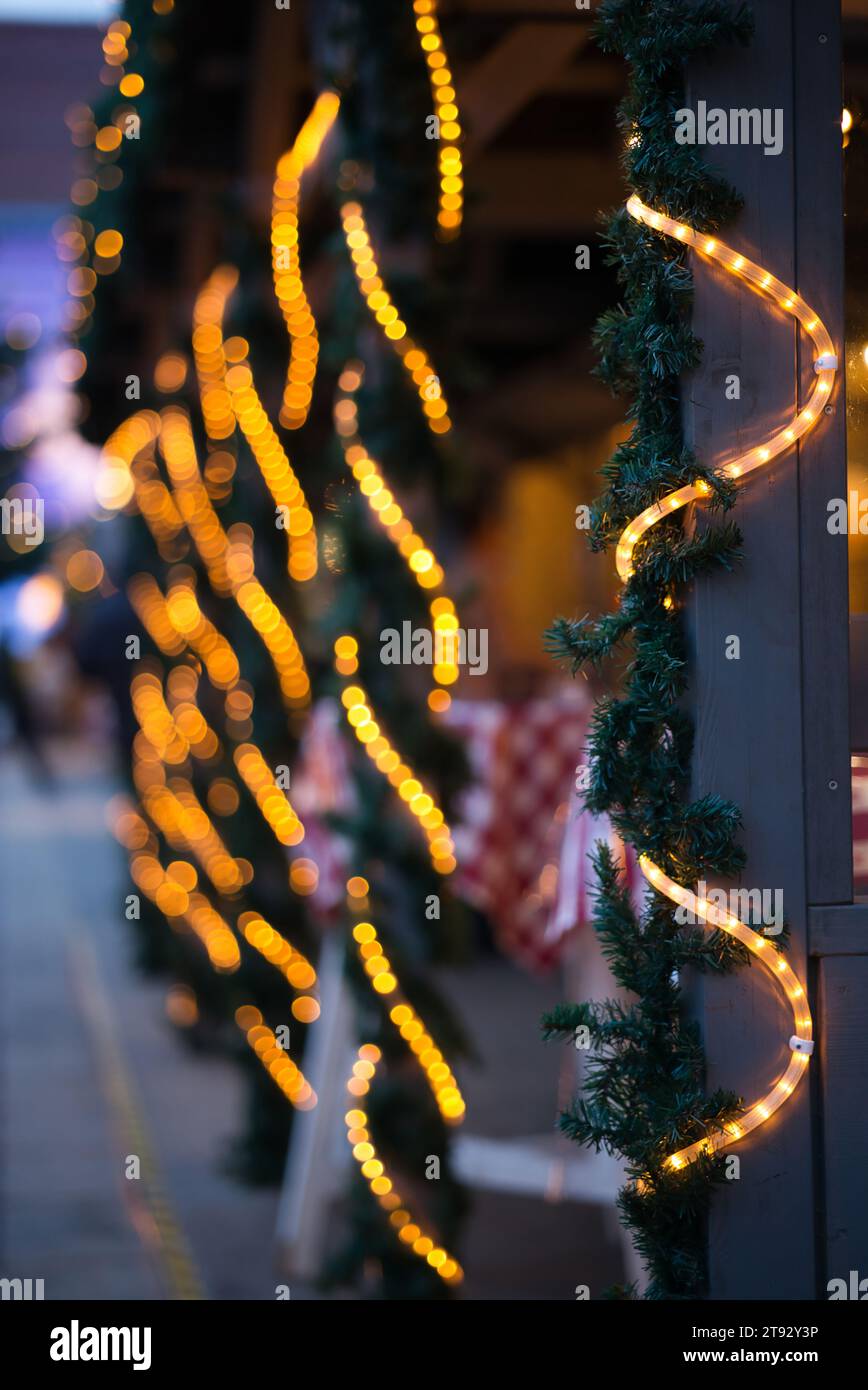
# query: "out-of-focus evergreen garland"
[375,61]
[149,211]
[371,55]
[644,1090]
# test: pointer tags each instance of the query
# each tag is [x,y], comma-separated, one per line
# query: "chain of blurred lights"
[228,558]
[379,301]
[277,471]
[825,366]
[276,807]
[175,809]
[406,1021]
[157,507]
[115,484]
[374,1171]
[286,266]
[200,634]
[173,732]
[276,1061]
[451,201]
[420,559]
[173,892]
[209,356]
[360,717]
[151,609]
[191,497]
[292,964]
[105,175]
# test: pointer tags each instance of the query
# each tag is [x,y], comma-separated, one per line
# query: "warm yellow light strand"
[276,808]
[276,470]
[360,717]
[275,1059]
[416,362]
[761,282]
[419,558]
[209,355]
[407,1023]
[288,283]
[374,1170]
[451,195]
[173,892]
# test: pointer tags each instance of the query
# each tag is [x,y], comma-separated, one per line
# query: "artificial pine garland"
[644,1091]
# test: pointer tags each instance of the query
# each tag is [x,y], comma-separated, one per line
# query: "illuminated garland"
[360,717]
[72,241]
[276,470]
[784,298]
[825,366]
[438,1075]
[451,198]
[374,1170]
[288,284]
[228,557]
[415,362]
[209,353]
[420,559]
[406,1021]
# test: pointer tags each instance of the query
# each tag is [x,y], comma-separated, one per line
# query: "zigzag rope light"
[825,366]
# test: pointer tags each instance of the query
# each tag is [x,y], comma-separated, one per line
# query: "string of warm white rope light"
[374,1170]
[825,365]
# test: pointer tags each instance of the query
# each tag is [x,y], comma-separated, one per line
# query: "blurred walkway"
[92,1072]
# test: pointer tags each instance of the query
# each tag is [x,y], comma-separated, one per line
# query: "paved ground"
[93,1072]
[86,1054]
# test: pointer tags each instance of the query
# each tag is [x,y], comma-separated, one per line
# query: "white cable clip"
[826,362]
[801,1045]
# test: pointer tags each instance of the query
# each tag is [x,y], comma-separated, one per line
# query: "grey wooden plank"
[749,712]
[839,930]
[823,456]
[858,682]
[844,1003]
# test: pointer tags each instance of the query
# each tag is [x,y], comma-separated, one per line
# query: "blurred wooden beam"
[281,74]
[539,193]
[524,63]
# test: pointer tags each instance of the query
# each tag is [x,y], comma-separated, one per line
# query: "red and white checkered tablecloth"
[522,838]
[859,783]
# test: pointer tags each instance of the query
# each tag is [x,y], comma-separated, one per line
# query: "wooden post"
[772,726]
